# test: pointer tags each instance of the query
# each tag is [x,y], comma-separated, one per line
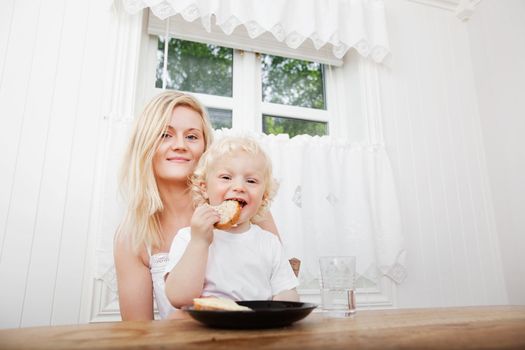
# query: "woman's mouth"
[178,159]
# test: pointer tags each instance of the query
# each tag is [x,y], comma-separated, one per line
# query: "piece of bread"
[218,304]
[230,211]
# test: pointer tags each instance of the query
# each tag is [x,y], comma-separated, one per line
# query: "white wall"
[498,50]
[53,64]
[434,138]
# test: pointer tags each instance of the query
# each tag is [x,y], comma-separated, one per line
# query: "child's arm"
[287,295]
[186,279]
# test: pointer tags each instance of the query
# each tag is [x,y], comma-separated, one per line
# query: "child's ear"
[265,199]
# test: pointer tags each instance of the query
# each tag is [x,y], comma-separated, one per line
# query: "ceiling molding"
[462,9]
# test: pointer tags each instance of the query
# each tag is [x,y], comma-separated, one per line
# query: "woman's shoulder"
[122,242]
[123,249]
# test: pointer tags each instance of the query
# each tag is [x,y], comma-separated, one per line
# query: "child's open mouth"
[241,201]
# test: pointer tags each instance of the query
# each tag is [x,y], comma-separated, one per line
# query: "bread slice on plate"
[230,211]
[218,304]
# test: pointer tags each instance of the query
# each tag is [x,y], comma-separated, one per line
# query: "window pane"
[220,118]
[293,82]
[292,126]
[196,67]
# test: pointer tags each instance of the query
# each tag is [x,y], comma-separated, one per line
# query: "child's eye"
[192,137]
[252,181]
[225,177]
[165,135]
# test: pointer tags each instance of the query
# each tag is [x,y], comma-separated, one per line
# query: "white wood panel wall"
[433,136]
[53,65]
[498,50]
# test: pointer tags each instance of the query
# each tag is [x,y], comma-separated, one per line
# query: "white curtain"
[343,24]
[335,198]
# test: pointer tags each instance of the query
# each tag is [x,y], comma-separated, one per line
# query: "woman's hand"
[202,222]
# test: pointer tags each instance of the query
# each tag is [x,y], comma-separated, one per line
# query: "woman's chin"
[175,177]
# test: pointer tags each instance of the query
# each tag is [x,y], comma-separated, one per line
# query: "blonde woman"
[165,146]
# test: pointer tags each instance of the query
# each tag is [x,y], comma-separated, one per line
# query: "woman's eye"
[192,137]
[165,135]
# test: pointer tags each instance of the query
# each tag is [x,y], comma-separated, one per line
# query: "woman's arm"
[135,287]
[267,223]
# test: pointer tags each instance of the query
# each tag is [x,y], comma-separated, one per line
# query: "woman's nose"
[178,143]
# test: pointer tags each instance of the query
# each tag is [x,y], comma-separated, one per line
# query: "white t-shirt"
[241,266]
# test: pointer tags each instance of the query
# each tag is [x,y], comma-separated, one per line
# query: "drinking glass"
[338,284]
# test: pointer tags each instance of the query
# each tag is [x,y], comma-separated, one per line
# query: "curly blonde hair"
[137,179]
[226,147]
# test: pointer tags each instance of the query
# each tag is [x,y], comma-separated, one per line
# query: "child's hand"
[202,222]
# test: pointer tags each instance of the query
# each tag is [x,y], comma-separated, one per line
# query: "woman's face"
[181,146]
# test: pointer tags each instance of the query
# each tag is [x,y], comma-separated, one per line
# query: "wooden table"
[489,327]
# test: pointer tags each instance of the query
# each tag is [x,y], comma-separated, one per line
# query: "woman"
[166,144]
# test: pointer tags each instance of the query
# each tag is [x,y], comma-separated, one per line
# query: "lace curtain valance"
[342,24]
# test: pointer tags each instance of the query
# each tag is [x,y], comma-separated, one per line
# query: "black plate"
[265,314]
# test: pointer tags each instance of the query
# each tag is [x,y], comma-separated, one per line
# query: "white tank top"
[157,266]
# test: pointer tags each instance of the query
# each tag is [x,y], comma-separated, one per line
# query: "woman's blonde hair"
[226,147]
[137,178]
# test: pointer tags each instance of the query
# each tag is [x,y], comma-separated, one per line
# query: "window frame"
[246,102]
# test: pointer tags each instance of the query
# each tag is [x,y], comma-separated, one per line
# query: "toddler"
[243,262]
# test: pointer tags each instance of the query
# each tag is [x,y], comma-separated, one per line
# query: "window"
[195,67]
[294,83]
[243,89]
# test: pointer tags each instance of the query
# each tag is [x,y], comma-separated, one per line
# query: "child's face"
[238,176]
